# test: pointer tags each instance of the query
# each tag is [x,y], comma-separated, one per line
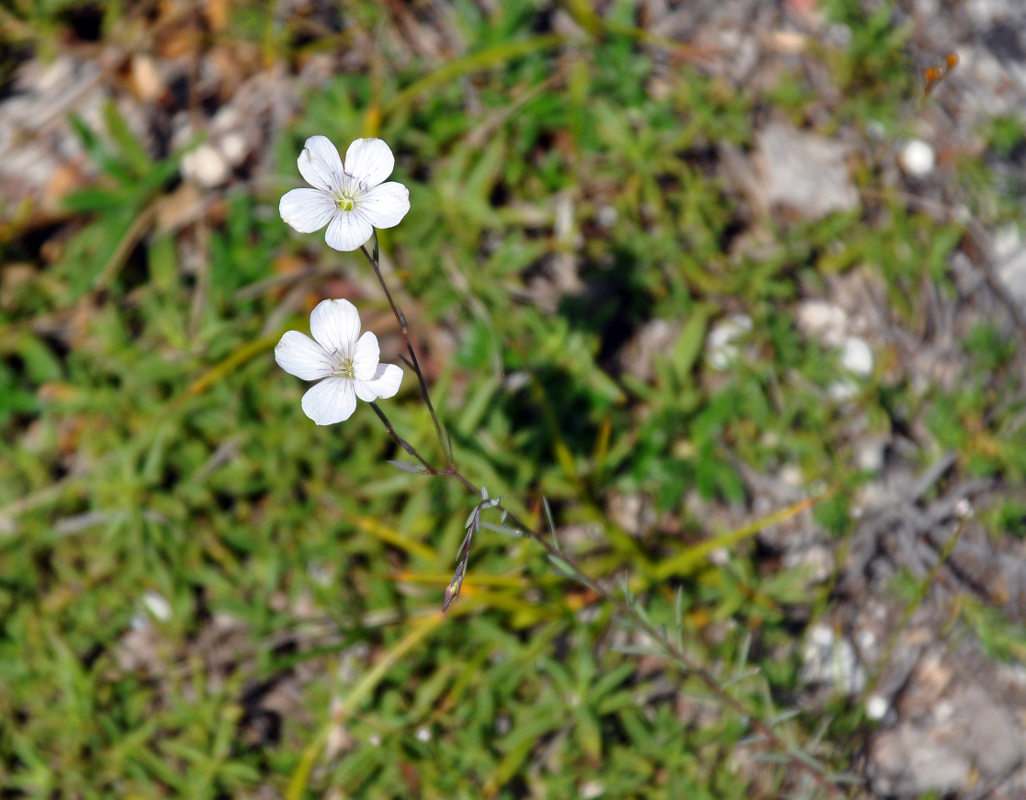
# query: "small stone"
[917,158]
[866,640]
[830,660]
[822,320]
[856,357]
[996,741]
[591,789]
[905,761]
[206,166]
[792,475]
[147,82]
[821,636]
[804,173]
[943,740]
[235,148]
[870,454]
[876,707]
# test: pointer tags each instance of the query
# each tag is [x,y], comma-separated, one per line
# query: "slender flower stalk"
[400,317]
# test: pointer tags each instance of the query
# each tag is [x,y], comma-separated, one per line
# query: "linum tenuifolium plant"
[352,198]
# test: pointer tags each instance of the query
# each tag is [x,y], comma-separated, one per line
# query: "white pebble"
[831,661]
[866,640]
[792,475]
[206,166]
[591,789]
[876,707]
[235,148]
[870,454]
[856,357]
[824,321]
[918,158]
[821,636]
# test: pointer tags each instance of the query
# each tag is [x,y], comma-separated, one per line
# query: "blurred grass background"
[203,594]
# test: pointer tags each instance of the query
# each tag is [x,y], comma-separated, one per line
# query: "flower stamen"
[344,368]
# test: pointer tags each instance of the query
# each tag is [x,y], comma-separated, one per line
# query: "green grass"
[148,442]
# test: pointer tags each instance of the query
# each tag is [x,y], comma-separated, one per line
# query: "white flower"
[349,198]
[347,362]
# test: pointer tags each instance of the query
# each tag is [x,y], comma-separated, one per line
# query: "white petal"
[301,356]
[369,161]
[385,205]
[320,164]
[335,325]
[365,390]
[365,357]
[307,210]
[330,401]
[347,231]
[385,382]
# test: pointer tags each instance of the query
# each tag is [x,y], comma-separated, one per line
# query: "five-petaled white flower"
[349,198]
[347,362]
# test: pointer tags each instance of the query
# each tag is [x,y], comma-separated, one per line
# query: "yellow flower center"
[344,368]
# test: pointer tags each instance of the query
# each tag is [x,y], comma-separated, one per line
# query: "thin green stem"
[443,439]
[405,445]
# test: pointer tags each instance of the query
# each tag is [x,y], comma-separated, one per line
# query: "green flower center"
[344,368]
[346,202]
